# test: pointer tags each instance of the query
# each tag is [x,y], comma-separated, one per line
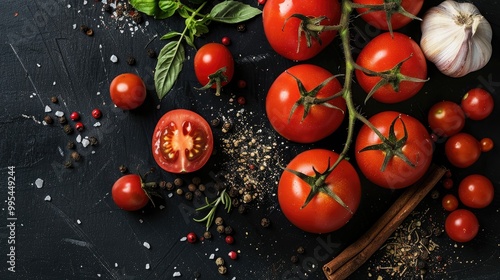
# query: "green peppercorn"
[219,221]
[220,229]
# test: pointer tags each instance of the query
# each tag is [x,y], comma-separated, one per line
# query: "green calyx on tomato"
[318,184]
[308,98]
[131,193]
[393,77]
[390,7]
[311,28]
[217,79]
[391,146]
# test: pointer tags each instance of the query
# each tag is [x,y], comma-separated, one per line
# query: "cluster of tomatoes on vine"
[447,120]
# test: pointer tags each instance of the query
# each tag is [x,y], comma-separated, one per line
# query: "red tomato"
[281,27]
[461,225]
[446,118]
[398,173]
[379,18]
[182,141]
[214,66]
[383,53]
[476,191]
[323,213]
[288,119]
[449,202]
[477,104]
[128,193]
[127,91]
[462,150]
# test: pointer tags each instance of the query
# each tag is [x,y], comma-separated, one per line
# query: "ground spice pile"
[410,253]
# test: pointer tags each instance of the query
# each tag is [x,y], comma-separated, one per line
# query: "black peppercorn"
[71,145]
[178,182]
[192,187]
[131,60]
[300,250]
[196,180]
[215,122]
[196,275]
[68,164]
[233,192]
[48,119]
[241,27]
[228,230]
[170,186]
[151,53]
[63,120]
[123,168]
[294,259]
[107,8]
[137,17]
[201,187]
[163,184]
[235,202]
[188,195]
[68,129]
[242,209]
[76,156]
[265,222]
[84,28]
[93,141]
[54,99]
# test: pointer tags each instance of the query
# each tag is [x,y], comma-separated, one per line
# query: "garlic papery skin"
[456,38]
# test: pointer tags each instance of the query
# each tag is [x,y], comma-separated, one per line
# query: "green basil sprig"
[171,57]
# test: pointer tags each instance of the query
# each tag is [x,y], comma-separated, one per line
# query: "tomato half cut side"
[182,141]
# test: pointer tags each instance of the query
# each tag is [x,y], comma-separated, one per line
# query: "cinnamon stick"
[357,253]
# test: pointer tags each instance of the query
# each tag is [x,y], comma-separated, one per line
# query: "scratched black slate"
[80,234]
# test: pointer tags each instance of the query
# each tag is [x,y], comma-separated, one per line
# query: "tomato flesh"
[182,141]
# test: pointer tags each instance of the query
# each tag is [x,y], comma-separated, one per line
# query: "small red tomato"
[477,104]
[79,126]
[127,91]
[96,114]
[462,150]
[486,144]
[233,255]
[191,237]
[229,239]
[128,193]
[461,225]
[449,202]
[476,191]
[446,118]
[74,116]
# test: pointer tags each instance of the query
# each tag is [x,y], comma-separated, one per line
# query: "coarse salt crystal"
[141,221]
[78,221]
[48,198]
[97,124]
[147,266]
[212,256]
[85,142]
[114,59]
[38,65]
[177,274]
[59,113]
[79,138]
[162,207]
[170,195]
[54,83]
[48,109]
[183,239]
[116,264]
[74,25]
[98,93]
[39,183]
[146,244]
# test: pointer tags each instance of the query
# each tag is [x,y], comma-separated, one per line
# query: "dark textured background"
[80,233]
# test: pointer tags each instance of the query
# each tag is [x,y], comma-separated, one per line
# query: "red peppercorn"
[226,41]
[242,83]
[233,255]
[229,239]
[191,237]
[241,100]
[447,183]
[79,126]
[96,114]
[74,116]
[261,2]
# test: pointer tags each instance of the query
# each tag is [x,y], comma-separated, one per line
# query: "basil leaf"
[168,67]
[150,8]
[168,6]
[170,35]
[233,12]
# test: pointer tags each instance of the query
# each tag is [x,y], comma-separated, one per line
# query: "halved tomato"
[182,141]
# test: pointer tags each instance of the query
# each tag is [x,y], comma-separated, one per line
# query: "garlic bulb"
[456,38]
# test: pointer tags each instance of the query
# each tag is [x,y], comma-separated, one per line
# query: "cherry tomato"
[446,118]
[289,120]
[282,20]
[182,141]
[378,19]
[462,150]
[127,91]
[214,66]
[461,225]
[322,213]
[486,144]
[128,193]
[477,104]
[411,158]
[383,53]
[449,202]
[476,191]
